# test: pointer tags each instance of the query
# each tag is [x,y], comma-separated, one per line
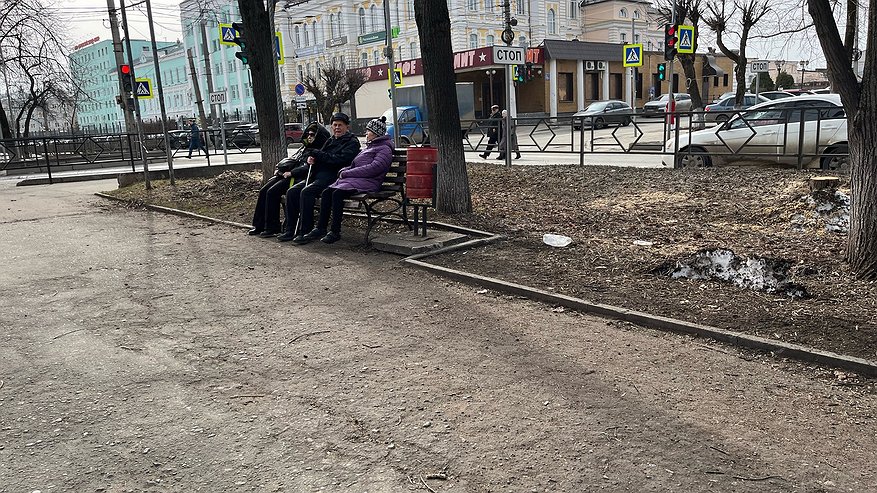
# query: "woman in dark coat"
[365,174]
[266,218]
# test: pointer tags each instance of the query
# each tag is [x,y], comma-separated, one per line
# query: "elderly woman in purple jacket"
[365,174]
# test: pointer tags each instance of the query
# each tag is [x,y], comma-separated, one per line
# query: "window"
[317,68]
[472,5]
[622,13]
[725,80]
[362,21]
[522,41]
[636,38]
[375,21]
[490,40]
[301,73]
[552,21]
[473,41]
[573,9]
[363,60]
[488,5]
[564,87]
[314,28]
[624,37]
[307,36]
[377,57]
[521,7]
[308,69]
[332,25]
[338,28]
[410,9]
[232,66]
[297,37]
[413,49]
[636,14]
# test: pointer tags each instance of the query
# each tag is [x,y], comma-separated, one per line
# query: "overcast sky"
[89,18]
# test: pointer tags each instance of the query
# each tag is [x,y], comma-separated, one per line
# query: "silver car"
[601,113]
[771,132]
[725,109]
[659,106]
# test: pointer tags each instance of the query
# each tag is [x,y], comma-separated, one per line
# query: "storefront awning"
[582,50]
[711,68]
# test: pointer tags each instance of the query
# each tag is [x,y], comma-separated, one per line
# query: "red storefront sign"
[86,43]
[463,60]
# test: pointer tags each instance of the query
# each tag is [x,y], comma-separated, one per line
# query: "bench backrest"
[395,179]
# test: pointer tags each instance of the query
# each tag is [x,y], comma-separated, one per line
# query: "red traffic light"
[125,69]
[671,30]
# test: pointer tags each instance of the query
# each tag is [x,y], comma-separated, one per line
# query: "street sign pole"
[220,99]
[391,65]
[167,147]
[139,120]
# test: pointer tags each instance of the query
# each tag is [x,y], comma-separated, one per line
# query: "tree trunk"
[260,46]
[5,131]
[688,68]
[434,26]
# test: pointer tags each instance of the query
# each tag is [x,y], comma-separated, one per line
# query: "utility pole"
[139,120]
[508,36]
[281,116]
[167,147]
[120,60]
[391,68]
[207,70]
[195,86]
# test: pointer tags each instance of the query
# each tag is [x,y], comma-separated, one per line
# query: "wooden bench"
[390,201]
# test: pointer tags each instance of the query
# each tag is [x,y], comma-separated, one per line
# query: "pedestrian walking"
[513,137]
[195,139]
[492,130]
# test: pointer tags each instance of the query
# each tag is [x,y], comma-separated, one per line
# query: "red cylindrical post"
[420,172]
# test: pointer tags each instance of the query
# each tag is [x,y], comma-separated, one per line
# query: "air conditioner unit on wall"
[589,65]
[601,65]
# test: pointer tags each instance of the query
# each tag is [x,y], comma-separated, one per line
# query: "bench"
[390,201]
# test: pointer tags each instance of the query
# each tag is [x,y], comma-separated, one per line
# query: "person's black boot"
[286,236]
[331,237]
[254,231]
[314,235]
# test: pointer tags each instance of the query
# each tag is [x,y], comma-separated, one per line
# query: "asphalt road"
[146,352]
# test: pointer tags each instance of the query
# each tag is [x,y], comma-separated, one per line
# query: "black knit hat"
[378,126]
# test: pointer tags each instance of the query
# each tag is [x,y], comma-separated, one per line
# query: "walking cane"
[307,182]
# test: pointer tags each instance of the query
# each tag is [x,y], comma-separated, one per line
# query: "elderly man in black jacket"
[324,164]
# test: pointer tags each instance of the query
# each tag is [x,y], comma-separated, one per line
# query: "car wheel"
[626,121]
[722,118]
[599,123]
[405,141]
[693,157]
[836,162]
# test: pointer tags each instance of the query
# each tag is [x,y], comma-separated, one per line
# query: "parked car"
[659,106]
[293,132]
[725,109]
[178,139]
[601,113]
[723,96]
[770,132]
[798,92]
[245,135]
[774,95]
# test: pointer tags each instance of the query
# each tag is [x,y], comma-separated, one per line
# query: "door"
[754,136]
[813,124]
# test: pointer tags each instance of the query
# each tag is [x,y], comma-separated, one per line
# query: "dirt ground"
[630,227]
[143,352]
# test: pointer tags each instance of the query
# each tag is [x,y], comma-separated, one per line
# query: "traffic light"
[662,71]
[528,71]
[518,73]
[125,77]
[239,40]
[671,41]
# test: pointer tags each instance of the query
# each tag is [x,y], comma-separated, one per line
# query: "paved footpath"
[145,352]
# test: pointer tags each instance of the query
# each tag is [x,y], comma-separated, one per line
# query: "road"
[146,352]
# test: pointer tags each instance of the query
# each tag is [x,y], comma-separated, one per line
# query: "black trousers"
[267,214]
[491,143]
[300,200]
[336,197]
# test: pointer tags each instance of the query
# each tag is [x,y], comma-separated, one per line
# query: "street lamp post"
[803,64]
[490,73]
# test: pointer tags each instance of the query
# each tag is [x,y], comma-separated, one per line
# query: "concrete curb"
[783,349]
[779,348]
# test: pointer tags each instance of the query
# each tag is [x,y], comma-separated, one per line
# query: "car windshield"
[389,114]
[597,106]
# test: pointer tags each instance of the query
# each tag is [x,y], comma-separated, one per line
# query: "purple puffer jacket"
[367,171]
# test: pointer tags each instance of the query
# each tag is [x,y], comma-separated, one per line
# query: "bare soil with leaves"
[630,229]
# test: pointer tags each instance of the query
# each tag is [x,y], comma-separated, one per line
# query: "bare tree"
[726,15]
[434,26]
[259,36]
[692,10]
[859,100]
[332,87]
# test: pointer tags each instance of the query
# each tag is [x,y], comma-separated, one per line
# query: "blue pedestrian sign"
[143,88]
[686,39]
[633,55]
[226,35]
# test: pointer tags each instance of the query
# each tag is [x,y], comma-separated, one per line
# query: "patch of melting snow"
[833,207]
[757,273]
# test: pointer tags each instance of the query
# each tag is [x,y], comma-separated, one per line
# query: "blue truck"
[412,113]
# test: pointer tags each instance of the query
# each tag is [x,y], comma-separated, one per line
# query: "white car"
[771,131]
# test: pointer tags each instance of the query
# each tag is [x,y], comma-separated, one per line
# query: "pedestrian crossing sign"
[278,47]
[397,77]
[143,88]
[633,55]
[226,35]
[686,39]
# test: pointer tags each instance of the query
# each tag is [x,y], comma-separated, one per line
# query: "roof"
[559,49]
